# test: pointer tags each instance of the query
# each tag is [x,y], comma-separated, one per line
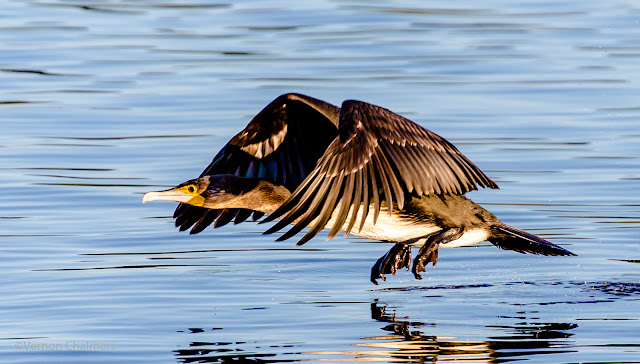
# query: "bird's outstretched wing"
[281,144]
[377,156]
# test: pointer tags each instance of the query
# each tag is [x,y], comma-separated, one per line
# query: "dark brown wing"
[281,144]
[378,156]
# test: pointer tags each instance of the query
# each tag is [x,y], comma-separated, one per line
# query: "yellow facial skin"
[192,190]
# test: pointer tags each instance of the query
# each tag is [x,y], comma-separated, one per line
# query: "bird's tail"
[510,238]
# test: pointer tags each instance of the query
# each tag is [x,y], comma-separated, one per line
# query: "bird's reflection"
[410,342]
[405,341]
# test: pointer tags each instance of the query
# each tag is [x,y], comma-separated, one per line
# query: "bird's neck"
[264,197]
[267,197]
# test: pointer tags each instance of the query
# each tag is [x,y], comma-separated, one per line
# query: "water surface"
[102,101]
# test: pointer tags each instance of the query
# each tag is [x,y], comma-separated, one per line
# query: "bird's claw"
[398,257]
[428,254]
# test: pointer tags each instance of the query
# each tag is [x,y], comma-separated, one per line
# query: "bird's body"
[360,169]
[420,217]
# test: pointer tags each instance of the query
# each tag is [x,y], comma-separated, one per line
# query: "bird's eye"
[191,189]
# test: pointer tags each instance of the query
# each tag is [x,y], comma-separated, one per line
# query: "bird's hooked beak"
[177,194]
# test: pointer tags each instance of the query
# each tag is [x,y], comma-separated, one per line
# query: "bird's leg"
[398,257]
[429,251]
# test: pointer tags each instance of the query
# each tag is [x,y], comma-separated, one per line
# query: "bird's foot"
[428,254]
[398,257]
[429,251]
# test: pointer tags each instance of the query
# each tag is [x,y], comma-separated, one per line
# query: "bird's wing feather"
[281,144]
[378,156]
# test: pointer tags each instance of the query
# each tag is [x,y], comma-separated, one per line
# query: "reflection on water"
[525,334]
[411,341]
[407,341]
[226,352]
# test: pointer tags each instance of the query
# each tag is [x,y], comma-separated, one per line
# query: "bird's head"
[214,192]
[189,192]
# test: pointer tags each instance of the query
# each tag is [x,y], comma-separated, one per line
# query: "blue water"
[101,101]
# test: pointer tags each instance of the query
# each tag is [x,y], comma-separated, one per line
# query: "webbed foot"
[429,251]
[428,254]
[398,257]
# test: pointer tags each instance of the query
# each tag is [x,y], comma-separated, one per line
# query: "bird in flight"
[358,168]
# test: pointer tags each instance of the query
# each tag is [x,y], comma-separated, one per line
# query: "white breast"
[393,228]
[396,228]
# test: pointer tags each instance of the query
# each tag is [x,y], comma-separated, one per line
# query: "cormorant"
[359,168]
